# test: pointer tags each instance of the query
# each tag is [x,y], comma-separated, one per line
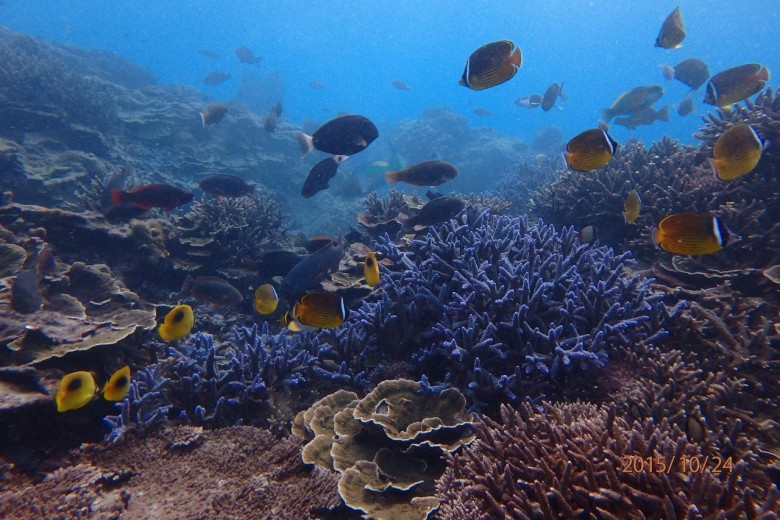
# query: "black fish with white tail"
[343,135]
[321,174]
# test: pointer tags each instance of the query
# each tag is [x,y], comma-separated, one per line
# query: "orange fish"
[692,234]
[491,65]
[590,150]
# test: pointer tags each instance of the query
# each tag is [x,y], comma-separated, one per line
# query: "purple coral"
[506,308]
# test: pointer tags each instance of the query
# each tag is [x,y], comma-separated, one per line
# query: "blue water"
[599,48]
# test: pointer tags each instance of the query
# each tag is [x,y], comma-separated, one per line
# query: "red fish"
[152,196]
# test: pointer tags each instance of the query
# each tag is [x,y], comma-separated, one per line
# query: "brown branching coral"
[763,114]
[580,460]
[225,232]
[239,472]
[386,214]
[668,176]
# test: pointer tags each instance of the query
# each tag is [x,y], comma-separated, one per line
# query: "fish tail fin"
[607,114]
[203,118]
[392,176]
[305,142]
[188,283]
[516,58]
[567,158]
[668,72]
[117,197]
[763,74]
[663,114]
[656,236]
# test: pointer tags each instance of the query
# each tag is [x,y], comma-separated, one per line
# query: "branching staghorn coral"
[204,383]
[503,309]
[579,460]
[517,183]
[238,228]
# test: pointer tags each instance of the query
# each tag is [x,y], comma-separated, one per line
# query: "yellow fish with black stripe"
[736,152]
[78,389]
[177,324]
[692,234]
[371,269]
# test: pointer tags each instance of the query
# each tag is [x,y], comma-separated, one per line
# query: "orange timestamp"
[681,463]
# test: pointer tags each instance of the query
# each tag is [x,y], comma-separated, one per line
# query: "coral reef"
[386,214]
[172,473]
[249,380]
[572,460]
[387,446]
[502,309]
[226,232]
[518,182]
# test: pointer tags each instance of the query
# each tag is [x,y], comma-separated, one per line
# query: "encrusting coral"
[387,446]
[580,460]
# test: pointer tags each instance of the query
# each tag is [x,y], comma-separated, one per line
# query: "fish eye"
[74,385]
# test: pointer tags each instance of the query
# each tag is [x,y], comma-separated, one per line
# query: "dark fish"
[551,96]
[270,121]
[316,85]
[215,290]
[278,263]
[216,77]
[672,31]
[633,100]
[209,54]
[316,243]
[491,65]
[532,101]
[400,85]
[436,211]
[483,112]
[224,185]
[213,114]
[320,174]
[692,72]
[45,263]
[590,150]
[587,234]
[433,194]
[692,234]
[245,55]
[152,196]
[686,106]
[343,135]
[123,212]
[427,173]
[735,84]
[736,152]
[25,292]
[312,270]
[648,116]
